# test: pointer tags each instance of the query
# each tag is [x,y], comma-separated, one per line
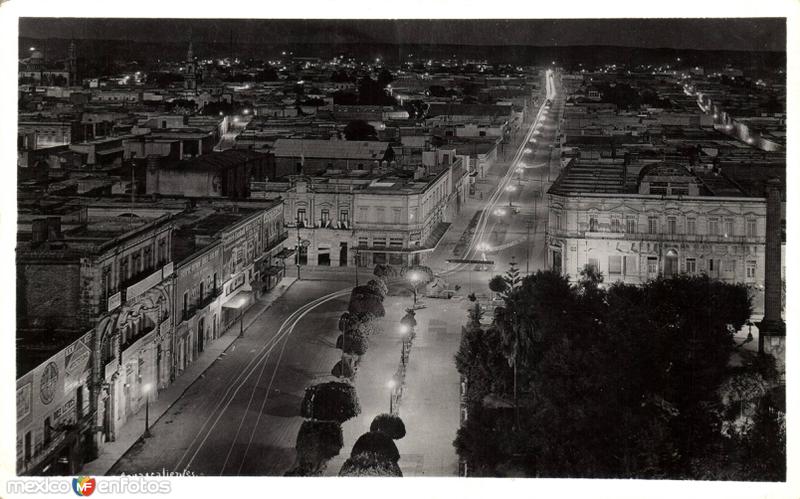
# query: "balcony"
[602,231]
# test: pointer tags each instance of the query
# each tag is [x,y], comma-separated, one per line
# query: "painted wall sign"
[48,383]
[23,401]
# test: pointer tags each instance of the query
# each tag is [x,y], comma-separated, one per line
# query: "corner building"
[635,222]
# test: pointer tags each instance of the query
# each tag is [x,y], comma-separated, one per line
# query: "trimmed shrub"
[355,342]
[378,287]
[378,443]
[370,464]
[317,442]
[409,319]
[384,271]
[364,300]
[389,424]
[343,370]
[330,401]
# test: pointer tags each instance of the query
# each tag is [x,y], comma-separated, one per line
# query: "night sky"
[730,34]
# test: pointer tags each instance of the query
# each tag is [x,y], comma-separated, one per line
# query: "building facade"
[671,221]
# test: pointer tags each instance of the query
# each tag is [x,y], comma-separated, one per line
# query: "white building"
[635,222]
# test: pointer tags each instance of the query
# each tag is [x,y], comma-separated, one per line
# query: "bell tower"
[190,78]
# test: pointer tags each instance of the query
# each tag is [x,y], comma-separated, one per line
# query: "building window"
[750,270]
[652,224]
[691,225]
[729,227]
[363,242]
[325,215]
[397,213]
[751,227]
[344,216]
[672,225]
[711,266]
[380,215]
[730,266]
[301,215]
[594,263]
[615,264]
[713,226]
[629,265]
[691,266]
[379,242]
[559,220]
[652,265]
[593,224]
[396,242]
[363,214]
[658,188]
[630,224]
[616,223]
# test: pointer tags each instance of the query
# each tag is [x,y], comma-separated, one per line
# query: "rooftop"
[340,149]
[614,177]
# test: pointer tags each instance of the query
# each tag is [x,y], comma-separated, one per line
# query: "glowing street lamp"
[414,277]
[146,390]
[510,188]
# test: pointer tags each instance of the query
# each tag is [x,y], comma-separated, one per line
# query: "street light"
[146,389]
[391,384]
[414,277]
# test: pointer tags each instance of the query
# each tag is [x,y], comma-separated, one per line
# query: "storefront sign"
[114,301]
[143,285]
[236,283]
[76,365]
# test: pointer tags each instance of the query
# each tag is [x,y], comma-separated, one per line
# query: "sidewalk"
[131,432]
[376,369]
[429,406]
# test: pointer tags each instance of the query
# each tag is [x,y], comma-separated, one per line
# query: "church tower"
[190,79]
[72,64]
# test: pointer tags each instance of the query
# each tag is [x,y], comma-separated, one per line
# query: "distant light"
[511,188]
[391,384]
[32,49]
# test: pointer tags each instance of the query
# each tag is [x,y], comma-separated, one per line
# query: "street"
[242,416]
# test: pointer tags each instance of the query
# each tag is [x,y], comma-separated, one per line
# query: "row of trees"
[617,381]
[328,404]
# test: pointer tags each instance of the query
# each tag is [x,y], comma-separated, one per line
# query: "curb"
[199,376]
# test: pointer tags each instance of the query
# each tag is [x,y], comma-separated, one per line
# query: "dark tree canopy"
[317,442]
[602,376]
[360,130]
[389,424]
[370,465]
[330,401]
[376,442]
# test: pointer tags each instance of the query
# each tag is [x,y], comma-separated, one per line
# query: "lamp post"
[391,384]
[146,389]
[414,278]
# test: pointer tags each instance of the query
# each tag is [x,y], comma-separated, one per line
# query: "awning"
[285,253]
[273,270]
[239,301]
